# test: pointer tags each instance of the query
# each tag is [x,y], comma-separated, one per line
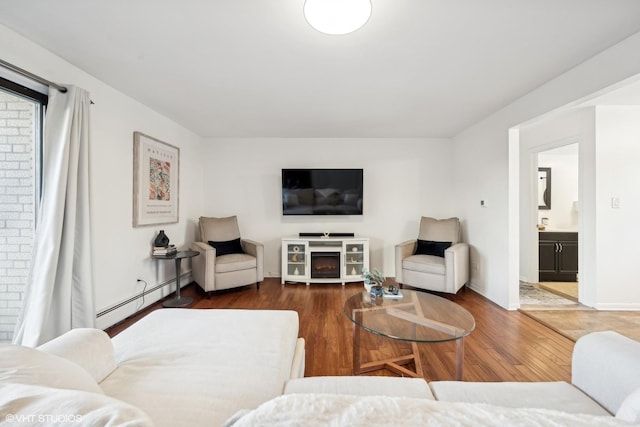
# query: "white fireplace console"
[324,259]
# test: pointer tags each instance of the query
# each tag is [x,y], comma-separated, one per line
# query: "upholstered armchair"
[226,260]
[437,260]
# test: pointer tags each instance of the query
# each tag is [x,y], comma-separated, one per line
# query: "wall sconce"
[337,17]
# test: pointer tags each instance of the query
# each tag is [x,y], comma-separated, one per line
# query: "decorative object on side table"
[165,250]
[161,245]
[161,239]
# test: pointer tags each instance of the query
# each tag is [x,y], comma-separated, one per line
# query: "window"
[21,121]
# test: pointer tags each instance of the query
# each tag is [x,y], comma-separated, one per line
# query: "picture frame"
[156,181]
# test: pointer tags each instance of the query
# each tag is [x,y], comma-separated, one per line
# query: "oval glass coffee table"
[416,317]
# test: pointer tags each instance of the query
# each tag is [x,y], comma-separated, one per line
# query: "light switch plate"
[615,203]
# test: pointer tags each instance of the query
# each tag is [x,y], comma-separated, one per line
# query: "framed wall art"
[156,170]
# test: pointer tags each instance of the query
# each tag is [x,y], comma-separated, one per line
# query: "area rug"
[575,323]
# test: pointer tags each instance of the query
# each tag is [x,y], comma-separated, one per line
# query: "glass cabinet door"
[296,259]
[354,257]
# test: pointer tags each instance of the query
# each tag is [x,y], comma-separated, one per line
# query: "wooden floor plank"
[505,346]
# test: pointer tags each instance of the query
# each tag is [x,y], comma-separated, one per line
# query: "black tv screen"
[322,191]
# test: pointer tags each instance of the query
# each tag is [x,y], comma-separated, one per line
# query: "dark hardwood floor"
[505,346]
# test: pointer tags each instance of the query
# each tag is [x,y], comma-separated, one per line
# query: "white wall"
[480,173]
[121,253]
[404,179]
[618,233]
[482,153]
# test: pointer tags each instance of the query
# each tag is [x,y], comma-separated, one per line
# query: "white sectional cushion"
[90,348]
[558,395]
[198,367]
[298,364]
[25,365]
[630,408]
[605,366]
[361,386]
[316,410]
[32,405]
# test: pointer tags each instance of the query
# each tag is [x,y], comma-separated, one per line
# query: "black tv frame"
[320,191]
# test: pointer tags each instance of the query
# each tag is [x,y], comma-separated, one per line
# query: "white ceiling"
[254,68]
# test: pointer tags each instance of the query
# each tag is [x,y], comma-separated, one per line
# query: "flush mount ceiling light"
[337,16]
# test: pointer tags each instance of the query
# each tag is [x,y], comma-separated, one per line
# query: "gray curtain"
[59,292]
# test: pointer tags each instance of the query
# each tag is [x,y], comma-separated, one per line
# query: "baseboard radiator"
[120,311]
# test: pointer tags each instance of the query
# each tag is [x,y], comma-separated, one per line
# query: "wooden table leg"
[394,364]
[417,361]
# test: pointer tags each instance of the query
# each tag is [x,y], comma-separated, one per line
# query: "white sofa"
[244,368]
[605,370]
[172,368]
[605,382]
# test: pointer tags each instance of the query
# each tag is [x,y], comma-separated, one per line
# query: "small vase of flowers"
[373,282]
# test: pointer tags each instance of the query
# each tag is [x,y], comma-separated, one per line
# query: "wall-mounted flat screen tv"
[322,191]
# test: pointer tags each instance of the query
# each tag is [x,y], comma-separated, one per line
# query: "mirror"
[544,188]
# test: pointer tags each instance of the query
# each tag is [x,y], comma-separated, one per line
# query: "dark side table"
[178,301]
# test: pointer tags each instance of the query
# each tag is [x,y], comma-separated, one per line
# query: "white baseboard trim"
[618,307]
[109,316]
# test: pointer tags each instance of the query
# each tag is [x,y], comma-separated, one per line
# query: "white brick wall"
[17,199]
